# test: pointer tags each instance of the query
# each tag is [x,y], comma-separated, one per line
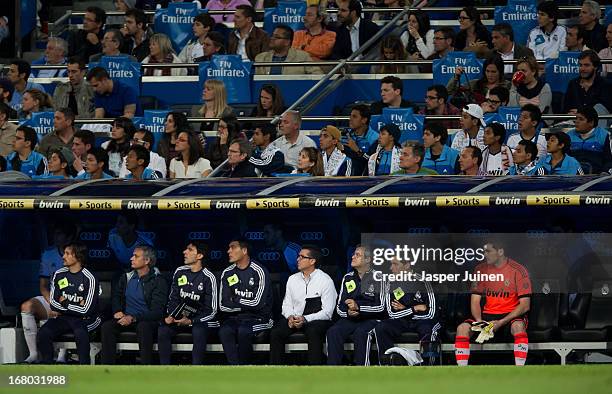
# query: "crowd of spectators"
[356,150]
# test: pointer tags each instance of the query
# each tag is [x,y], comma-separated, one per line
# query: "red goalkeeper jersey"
[502,295]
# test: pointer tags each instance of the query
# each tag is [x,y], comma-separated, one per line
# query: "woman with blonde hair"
[214,97]
[528,88]
[160,51]
[34,100]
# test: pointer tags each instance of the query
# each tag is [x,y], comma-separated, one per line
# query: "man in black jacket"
[354,31]
[88,40]
[238,165]
[138,303]
[391,90]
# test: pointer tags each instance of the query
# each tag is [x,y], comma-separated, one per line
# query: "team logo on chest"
[81,287]
[251,282]
[201,286]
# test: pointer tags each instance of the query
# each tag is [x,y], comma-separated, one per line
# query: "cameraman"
[359,138]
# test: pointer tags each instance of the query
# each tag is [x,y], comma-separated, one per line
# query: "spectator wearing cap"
[590,144]
[386,158]
[470,160]
[548,38]
[18,74]
[334,161]
[87,41]
[472,125]
[558,161]
[55,54]
[7,131]
[439,156]
[588,89]
[62,134]
[525,158]
[59,165]
[411,160]
[266,157]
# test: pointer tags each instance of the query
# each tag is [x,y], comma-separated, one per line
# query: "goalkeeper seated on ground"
[507,302]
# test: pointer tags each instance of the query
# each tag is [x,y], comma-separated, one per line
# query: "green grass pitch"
[580,379]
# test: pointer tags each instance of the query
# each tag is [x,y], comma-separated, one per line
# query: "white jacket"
[319,284]
[547,46]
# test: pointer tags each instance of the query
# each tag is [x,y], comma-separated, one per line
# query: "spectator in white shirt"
[292,140]
[548,38]
[190,162]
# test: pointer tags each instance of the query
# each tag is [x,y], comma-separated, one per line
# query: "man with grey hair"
[595,33]
[138,304]
[55,54]
[111,46]
[292,141]
[411,160]
[238,165]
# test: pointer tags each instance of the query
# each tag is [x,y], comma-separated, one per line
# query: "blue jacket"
[567,166]
[35,164]
[594,151]
[443,165]
[533,168]
[247,293]
[367,292]
[146,174]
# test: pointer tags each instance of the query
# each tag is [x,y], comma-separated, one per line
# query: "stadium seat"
[598,319]
[544,312]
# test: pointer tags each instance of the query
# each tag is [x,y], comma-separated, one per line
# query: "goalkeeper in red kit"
[507,301]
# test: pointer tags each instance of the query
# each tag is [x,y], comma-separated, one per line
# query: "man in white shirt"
[157,163]
[548,38]
[528,123]
[308,307]
[292,140]
[472,125]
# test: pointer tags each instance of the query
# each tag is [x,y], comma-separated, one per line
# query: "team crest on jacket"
[507,282]
[201,286]
[370,290]
[251,282]
[81,287]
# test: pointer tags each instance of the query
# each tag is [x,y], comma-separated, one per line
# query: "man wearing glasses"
[88,40]
[281,52]
[308,307]
[497,97]
[111,44]
[444,39]
[435,104]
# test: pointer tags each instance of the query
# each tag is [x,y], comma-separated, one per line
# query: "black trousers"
[315,335]
[61,325]
[146,332]
[165,334]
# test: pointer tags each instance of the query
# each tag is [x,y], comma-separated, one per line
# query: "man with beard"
[354,31]
[315,39]
[589,89]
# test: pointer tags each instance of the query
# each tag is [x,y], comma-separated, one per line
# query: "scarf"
[395,158]
[333,163]
[166,70]
[530,93]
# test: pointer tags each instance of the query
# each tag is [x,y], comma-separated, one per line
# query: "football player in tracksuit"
[192,304]
[74,305]
[246,303]
[360,305]
[411,306]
